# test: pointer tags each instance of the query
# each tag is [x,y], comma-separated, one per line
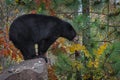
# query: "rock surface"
[35,69]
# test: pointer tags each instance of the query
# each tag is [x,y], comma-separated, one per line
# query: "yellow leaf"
[1,68]
[16,11]
[61,40]
[18,59]
[90,64]
[101,49]
[96,63]
[77,65]
[86,53]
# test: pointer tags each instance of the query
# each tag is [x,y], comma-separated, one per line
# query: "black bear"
[30,29]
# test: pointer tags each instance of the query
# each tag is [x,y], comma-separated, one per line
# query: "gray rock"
[35,69]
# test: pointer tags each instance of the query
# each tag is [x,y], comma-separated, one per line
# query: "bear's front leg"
[43,46]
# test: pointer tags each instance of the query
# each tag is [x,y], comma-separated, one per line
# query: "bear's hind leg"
[28,51]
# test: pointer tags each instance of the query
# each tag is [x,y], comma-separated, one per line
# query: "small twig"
[109,35]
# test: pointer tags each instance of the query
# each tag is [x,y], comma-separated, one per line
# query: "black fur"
[30,29]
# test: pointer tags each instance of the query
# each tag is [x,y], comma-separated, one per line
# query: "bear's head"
[68,31]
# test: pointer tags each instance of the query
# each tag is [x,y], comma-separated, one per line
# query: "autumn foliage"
[7,48]
[47,4]
[102,61]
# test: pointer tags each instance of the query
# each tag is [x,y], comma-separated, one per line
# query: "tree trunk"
[86,32]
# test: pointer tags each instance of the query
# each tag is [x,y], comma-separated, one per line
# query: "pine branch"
[113,14]
[105,61]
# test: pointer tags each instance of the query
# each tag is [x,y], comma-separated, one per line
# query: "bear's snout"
[76,39]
